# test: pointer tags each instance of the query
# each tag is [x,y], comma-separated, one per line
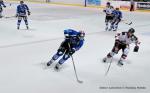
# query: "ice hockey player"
[22,11]
[116,19]
[109,15]
[1,7]
[72,43]
[132,4]
[122,41]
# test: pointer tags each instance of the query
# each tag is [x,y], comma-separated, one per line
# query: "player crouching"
[122,41]
[72,43]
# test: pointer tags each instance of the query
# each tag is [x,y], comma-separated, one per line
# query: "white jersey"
[108,10]
[125,39]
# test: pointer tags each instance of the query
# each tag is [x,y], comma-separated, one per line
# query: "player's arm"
[135,40]
[79,45]
[2,2]
[121,15]
[137,43]
[17,11]
[27,9]
[104,10]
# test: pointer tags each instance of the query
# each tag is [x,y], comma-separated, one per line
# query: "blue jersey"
[117,14]
[22,9]
[72,36]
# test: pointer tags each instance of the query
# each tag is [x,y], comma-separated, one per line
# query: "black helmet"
[108,3]
[117,8]
[21,2]
[131,30]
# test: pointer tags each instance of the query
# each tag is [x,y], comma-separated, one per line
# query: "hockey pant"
[64,51]
[108,20]
[20,19]
[116,48]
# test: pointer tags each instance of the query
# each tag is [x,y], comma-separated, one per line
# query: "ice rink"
[23,52]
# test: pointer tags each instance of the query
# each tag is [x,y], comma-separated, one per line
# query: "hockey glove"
[71,51]
[29,12]
[136,48]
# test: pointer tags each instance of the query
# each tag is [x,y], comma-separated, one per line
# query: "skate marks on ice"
[25,29]
[29,43]
[43,66]
[27,33]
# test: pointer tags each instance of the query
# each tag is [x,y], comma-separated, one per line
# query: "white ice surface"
[23,52]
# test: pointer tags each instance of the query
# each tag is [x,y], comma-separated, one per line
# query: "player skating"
[72,43]
[22,11]
[1,7]
[122,41]
[116,19]
[109,15]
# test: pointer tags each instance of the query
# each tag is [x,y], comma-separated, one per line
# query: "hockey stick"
[128,23]
[9,17]
[79,81]
[109,67]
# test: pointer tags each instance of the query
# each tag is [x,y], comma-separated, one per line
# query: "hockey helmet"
[21,2]
[108,3]
[131,30]
[117,8]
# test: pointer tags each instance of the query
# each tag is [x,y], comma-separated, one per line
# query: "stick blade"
[130,23]
[79,81]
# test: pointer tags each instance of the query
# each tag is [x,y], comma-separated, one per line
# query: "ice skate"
[57,67]
[104,60]
[106,28]
[50,62]
[18,27]
[27,26]
[120,63]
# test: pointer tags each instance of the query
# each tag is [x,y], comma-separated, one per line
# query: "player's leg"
[112,24]
[59,53]
[114,51]
[111,21]
[19,22]
[123,56]
[61,61]
[116,24]
[26,21]
[65,57]
[106,23]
